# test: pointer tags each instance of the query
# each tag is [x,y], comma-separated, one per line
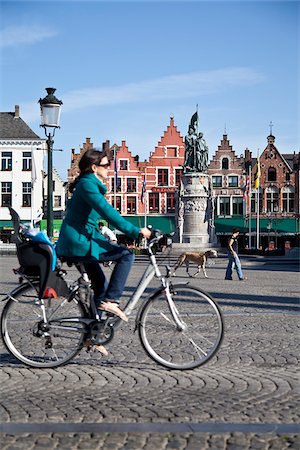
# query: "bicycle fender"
[11,294]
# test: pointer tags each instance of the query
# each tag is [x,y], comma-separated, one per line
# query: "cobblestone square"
[246,397]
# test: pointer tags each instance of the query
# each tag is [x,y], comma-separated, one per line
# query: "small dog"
[198,258]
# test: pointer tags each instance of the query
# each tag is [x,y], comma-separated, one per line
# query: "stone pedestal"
[197,231]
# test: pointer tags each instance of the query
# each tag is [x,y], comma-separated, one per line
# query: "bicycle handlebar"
[156,236]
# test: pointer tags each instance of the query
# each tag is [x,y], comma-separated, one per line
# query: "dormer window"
[225,163]
[272,176]
[123,164]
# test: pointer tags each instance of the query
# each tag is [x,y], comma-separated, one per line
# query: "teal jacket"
[79,234]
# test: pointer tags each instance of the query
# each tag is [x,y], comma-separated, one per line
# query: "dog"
[198,258]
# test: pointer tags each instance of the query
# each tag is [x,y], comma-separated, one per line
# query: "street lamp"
[50,115]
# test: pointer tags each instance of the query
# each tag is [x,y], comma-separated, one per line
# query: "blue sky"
[121,68]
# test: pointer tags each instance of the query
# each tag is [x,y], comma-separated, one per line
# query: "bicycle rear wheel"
[34,342]
[181,349]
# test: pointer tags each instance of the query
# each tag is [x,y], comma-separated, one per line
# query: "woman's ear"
[94,168]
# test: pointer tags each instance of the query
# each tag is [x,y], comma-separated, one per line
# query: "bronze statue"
[196,149]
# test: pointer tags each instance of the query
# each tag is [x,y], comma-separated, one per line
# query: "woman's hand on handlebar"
[146,232]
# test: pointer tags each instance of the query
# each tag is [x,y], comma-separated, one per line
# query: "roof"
[12,127]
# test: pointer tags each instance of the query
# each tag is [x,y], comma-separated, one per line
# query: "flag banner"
[257,175]
[194,120]
[33,170]
[115,170]
[246,189]
[143,190]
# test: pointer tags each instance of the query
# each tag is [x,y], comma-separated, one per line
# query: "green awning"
[164,223]
[280,225]
[6,224]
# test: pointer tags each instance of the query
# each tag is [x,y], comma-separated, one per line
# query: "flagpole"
[257,198]
[33,180]
[249,206]
[257,219]
[115,180]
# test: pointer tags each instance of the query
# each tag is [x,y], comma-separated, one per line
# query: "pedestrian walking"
[234,261]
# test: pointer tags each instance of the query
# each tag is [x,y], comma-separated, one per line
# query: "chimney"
[17,111]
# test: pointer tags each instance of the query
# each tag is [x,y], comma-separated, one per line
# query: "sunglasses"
[105,166]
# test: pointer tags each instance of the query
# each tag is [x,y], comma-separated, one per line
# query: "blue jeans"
[113,290]
[234,263]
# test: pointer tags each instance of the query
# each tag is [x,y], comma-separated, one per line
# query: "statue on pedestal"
[196,149]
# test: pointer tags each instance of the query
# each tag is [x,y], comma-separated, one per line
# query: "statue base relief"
[198,230]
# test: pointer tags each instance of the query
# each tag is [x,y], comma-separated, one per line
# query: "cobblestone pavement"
[245,398]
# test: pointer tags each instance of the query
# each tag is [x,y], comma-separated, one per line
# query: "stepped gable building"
[227,171]
[125,195]
[75,157]
[278,181]
[163,172]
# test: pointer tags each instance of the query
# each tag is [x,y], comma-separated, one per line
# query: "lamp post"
[50,115]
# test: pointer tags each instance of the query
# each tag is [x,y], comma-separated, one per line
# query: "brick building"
[161,174]
[279,187]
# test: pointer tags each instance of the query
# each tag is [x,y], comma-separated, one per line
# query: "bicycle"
[179,326]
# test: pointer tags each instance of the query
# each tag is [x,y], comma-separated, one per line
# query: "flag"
[247,188]
[257,175]
[194,120]
[115,169]
[143,190]
[33,170]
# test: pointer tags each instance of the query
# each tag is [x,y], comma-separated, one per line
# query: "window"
[178,176]
[225,163]
[172,152]
[163,178]
[272,174]
[6,193]
[131,184]
[233,181]
[123,164]
[272,200]
[27,161]
[153,202]
[119,184]
[287,176]
[26,190]
[170,202]
[217,181]
[57,201]
[254,204]
[118,203]
[288,198]
[224,206]
[131,205]
[237,206]
[6,161]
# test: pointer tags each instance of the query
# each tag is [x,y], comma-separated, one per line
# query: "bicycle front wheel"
[40,343]
[191,345]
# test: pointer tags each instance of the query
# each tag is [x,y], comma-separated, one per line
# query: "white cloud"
[194,84]
[24,35]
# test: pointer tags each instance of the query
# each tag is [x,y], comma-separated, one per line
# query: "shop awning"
[280,225]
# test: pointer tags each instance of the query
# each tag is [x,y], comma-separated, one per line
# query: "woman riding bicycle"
[80,239]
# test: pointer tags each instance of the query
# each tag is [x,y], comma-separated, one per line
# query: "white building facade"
[21,171]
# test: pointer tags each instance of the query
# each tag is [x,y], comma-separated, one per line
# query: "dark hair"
[101,224]
[235,230]
[90,157]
